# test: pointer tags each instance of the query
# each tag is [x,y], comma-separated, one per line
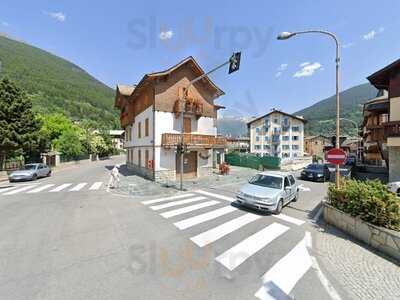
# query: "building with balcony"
[388,127]
[277,134]
[151,114]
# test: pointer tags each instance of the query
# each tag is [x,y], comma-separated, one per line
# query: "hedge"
[369,200]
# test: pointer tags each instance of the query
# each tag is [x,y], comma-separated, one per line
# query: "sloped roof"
[125,90]
[380,79]
[277,111]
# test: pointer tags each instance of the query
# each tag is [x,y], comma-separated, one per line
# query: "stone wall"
[394,163]
[204,171]
[382,239]
[141,171]
[165,176]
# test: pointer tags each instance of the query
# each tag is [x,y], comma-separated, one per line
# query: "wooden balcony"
[392,129]
[376,133]
[193,140]
[188,106]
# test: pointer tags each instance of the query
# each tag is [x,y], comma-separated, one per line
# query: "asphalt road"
[64,239]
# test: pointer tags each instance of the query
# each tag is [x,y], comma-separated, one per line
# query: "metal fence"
[11,164]
[253,161]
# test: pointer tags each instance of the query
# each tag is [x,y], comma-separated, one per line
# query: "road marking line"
[284,275]
[96,186]
[236,255]
[289,219]
[61,187]
[40,188]
[176,203]
[220,231]
[78,187]
[166,199]
[204,217]
[304,188]
[308,239]
[222,197]
[2,190]
[26,187]
[183,210]
[328,287]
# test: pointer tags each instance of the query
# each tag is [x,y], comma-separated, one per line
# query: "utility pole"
[234,64]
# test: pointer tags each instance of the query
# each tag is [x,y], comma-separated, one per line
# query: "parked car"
[30,172]
[345,171]
[394,187]
[269,191]
[316,172]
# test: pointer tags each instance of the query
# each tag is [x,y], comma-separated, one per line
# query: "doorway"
[189,165]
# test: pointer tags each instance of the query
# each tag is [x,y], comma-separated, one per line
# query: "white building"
[277,134]
[117,138]
[151,115]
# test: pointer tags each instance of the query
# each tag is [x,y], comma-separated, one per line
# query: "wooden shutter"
[146,127]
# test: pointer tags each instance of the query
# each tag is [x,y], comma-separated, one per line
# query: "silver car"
[30,172]
[269,191]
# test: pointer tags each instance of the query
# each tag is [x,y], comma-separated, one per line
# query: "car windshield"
[29,167]
[315,167]
[267,181]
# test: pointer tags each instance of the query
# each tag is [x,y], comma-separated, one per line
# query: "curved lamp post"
[287,35]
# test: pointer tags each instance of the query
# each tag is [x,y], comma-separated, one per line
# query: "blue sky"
[119,41]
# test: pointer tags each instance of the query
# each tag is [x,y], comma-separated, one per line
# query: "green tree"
[18,125]
[69,144]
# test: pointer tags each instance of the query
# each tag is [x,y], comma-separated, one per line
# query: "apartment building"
[151,114]
[277,134]
[314,145]
[387,130]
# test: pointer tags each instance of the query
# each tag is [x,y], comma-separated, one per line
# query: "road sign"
[336,156]
[234,62]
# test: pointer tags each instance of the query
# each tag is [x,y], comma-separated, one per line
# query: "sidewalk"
[361,272]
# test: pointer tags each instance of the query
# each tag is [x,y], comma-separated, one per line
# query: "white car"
[394,187]
[269,191]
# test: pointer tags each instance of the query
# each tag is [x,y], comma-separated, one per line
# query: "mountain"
[55,84]
[232,126]
[321,116]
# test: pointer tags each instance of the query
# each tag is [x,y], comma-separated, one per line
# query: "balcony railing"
[189,106]
[200,140]
[376,133]
[392,129]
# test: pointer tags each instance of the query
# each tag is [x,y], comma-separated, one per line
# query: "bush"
[369,200]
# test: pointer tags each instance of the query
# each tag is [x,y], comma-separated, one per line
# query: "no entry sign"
[336,156]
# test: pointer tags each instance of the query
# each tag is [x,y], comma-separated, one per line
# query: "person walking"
[114,177]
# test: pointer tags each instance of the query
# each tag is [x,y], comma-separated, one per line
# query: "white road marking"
[308,239]
[204,217]
[40,188]
[61,187]
[220,231]
[176,203]
[166,199]
[78,187]
[304,188]
[96,186]
[26,187]
[184,210]
[2,190]
[236,255]
[328,287]
[218,196]
[284,275]
[289,219]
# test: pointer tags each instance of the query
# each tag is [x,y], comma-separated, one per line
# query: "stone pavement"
[361,272]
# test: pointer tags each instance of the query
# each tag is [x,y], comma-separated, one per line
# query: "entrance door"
[187,126]
[189,165]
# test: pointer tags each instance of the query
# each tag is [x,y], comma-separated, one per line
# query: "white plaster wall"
[204,162]
[165,122]
[143,141]
[164,159]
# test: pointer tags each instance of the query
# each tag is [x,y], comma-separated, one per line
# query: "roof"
[277,111]
[315,136]
[146,78]
[116,132]
[380,79]
[125,90]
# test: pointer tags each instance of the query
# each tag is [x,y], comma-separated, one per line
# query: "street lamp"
[288,35]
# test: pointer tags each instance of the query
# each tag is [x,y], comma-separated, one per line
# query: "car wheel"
[49,174]
[398,192]
[279,207]
[34,177]
[296,197]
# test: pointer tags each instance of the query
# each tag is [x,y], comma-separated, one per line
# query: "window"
[257,130]
[276,121]
[295,138]
[266,138]
[146,157]
[296,128]
[287,182]
[257,147]
[139,157]
[266,147]
[295,147]
[292,180]
[146,127]
[139,130]
[257,138]
[285,147]
[285,138]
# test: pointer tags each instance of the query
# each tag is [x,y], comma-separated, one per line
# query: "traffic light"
[234,62]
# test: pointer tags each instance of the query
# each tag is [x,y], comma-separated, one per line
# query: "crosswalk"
[50,188]
[200,208]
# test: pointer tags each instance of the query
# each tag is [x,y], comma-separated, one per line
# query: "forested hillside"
[321,115]
[56,85]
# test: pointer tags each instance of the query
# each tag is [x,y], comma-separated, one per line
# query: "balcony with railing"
[392,129]
[189,106]
[379,133]
[193,140]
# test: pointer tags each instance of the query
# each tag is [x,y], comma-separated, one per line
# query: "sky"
[120,41]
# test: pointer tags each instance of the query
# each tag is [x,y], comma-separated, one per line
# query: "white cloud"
[282,67]
[308,69]
[278,74]
[348,45]
[373,33]
[166,35]
[5,24]
[59,16]
[304,64]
